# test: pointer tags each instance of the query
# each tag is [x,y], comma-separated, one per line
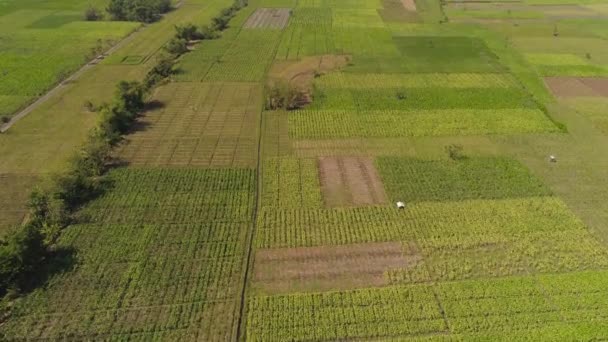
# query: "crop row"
[290,183]
[343,315]
[319,124]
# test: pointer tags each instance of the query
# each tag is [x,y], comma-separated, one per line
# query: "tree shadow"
[58,261]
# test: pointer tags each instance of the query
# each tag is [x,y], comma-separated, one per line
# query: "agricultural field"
[226,219]
[43,142]
[30,33]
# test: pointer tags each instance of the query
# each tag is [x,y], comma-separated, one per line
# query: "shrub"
[206,32]
[187,32]
[177,46]
[4,119]
[92,14]
[163,69]
[89,106]
[282,95]
[455,153]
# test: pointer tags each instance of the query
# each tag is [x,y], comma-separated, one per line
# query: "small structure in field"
[400,205]
[552,159]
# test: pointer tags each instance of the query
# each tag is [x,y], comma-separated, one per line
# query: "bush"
[283,95]
[163,69]
[92,14]
[207,32]
[5,119]
[177,46]
[455,153]
[187,32]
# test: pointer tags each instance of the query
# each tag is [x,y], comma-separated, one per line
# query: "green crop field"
[31,33]
[227,219]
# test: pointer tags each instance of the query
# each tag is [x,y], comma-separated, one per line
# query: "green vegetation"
[414,180]
[323,124]
[31,63]
[146,11]
[290,183]
[131,242]
[207,206]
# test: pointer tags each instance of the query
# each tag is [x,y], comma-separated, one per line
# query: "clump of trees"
[283,95]
[146,11]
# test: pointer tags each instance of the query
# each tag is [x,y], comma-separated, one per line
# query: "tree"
[187,32]
[177,46]
[117,9]
[220,23]
[20,254]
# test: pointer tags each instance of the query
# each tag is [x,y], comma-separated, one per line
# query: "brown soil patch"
[598,84]
[273,18]
[409,5]
[577,86]
[330,267]
[301,73]
[348,181]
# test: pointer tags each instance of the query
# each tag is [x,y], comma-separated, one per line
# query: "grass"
[412,180]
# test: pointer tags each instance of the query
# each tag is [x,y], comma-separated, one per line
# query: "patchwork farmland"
[230,215]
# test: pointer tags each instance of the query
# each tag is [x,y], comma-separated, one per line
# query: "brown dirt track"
[350,181]
[283,270]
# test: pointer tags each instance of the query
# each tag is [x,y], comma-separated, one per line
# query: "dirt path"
[41,100]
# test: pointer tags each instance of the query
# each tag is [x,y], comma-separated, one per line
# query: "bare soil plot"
[273,18]
[599,85]
[409,5]
[577,86]
[331,267]
[350,181]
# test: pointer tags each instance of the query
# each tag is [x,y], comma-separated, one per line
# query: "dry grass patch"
[269,18]
[281,270]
